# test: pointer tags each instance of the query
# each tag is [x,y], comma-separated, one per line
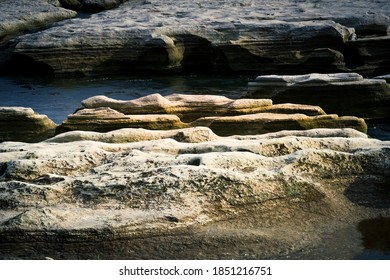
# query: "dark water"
[375,239]
[57,98]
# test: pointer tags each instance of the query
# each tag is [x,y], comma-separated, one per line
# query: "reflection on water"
[375,239]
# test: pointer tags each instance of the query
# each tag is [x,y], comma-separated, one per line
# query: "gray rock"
[340,93]
[144,38]
[23,124]
[255,36]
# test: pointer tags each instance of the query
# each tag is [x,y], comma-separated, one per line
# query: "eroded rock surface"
[88,190]
[223,115]
[341,93]
[21,16]
[217,36]
[23,124]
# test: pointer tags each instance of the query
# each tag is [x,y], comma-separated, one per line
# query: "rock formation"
[223,115]
[23,124]
[290,37]
[21,16]
[341,93]
[88,191]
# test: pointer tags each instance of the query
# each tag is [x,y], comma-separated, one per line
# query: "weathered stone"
[384,77]
[23,124]
[22,16]
[187,107]
[268,122]
[223,115]
[88,190]
[106,119]
[259,37]
[125,135]
[370,56]
[341,93]
[143,38]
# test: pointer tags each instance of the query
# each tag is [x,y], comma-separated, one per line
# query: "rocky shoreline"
[277,173]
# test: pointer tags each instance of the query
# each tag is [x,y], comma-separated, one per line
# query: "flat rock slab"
[23,124]
[94,191]
[223,115]
[208,36]
[341,93]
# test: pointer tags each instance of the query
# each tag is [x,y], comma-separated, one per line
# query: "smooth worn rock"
[341,93]
[287,37]
[126,135]
[268,122]
[94,191]
[105,119]
[188,37]
[223,115]
[23,124]
[22,16]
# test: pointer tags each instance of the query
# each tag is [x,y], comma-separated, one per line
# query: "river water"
[57,97]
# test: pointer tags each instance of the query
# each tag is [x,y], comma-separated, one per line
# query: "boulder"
[341,93]
[223,115]
[88,191]
[23,124]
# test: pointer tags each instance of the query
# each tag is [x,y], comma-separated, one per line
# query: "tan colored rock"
[23,124]
[126,135]
[186,107]
[223,115]
[107,119]
[88,189]
[269,122]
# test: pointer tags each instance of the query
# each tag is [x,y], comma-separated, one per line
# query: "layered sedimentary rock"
[255,36]
[23,124]
[223,115]
[21,16]
[341,93]
[87,190]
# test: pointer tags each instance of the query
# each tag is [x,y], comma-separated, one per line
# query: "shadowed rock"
[341,93]
[23,124]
